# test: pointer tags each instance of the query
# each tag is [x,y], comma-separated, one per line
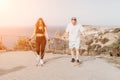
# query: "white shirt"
[74,31]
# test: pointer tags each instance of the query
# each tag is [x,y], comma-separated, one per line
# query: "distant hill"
[98,39]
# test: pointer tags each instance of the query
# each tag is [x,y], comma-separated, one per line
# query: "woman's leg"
[43,44]
[38,49]
[38,45]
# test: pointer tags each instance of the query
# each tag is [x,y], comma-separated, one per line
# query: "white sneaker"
[41,62]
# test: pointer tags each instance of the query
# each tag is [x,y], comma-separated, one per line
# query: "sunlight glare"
[3,4]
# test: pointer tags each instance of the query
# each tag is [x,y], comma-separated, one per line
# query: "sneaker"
[41,62]
[73,60]
[78,61]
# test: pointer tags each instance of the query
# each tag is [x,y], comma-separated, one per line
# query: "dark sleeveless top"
[40,31]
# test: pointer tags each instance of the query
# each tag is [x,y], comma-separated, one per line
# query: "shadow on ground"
[6,71]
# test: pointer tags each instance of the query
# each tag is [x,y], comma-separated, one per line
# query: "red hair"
[38,24]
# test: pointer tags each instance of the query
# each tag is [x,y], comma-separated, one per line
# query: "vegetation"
[115,48]
[89,42]
[116,30]
[24,44]
[94,45]
[2,47]
[104,40]
[58,46]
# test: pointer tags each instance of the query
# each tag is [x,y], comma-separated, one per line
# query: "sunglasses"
[74,19]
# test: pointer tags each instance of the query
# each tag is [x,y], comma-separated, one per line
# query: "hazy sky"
[59,12]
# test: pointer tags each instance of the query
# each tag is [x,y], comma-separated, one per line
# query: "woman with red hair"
[41,34]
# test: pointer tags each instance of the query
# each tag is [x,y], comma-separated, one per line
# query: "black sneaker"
[78,61]
[73,60]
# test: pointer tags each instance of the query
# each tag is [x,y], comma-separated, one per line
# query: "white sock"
[77,55]
[72,54]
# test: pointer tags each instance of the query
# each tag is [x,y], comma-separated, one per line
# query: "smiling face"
[74,21]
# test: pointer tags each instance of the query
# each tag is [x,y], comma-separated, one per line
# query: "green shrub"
[116,46]
[103,50]
[116,30]
[104,40]
[89,42]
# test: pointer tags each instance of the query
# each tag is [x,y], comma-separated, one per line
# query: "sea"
[10,35]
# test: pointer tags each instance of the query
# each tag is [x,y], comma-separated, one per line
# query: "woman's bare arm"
[46,33]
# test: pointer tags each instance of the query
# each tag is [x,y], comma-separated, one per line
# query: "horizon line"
[59,26]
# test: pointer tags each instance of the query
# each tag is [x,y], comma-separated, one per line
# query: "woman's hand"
[29,39]
[48,39]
